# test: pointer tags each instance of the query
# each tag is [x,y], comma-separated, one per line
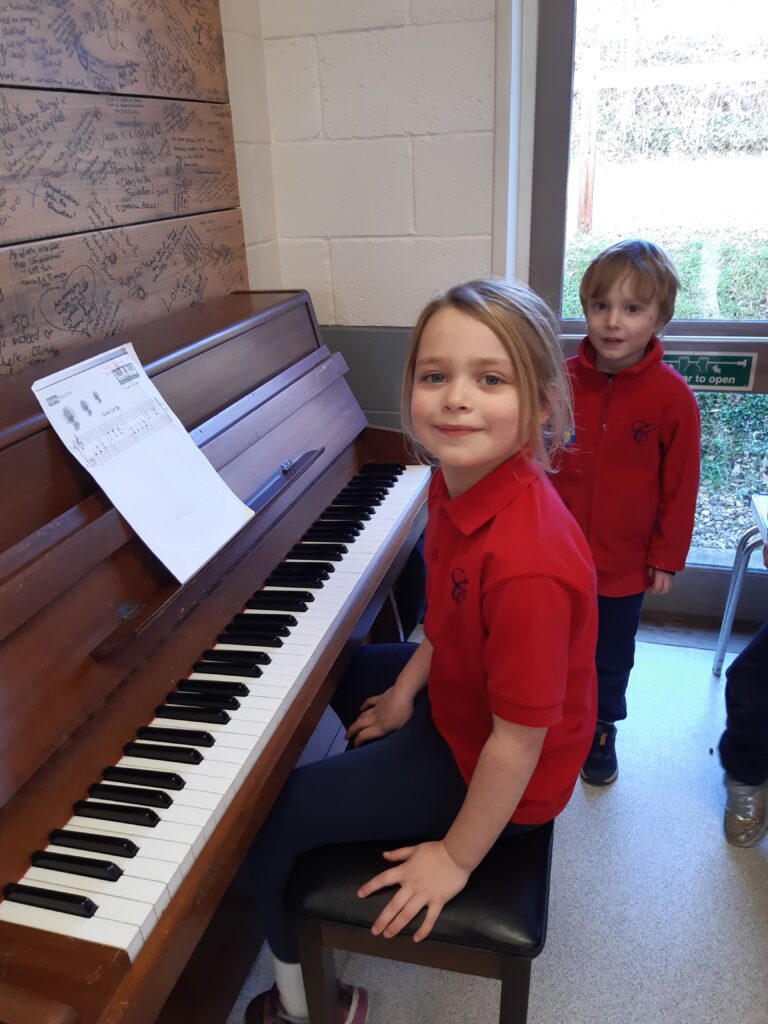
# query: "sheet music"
[111,417]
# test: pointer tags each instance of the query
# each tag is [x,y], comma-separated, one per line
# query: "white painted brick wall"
[451,10]
[312,17]
[343,188]
[453,179]
[293,86]
[306,263]
[365,133]
[408,81]
[388,281]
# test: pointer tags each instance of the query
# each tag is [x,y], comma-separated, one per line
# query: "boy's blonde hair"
[649,268]
[528,330]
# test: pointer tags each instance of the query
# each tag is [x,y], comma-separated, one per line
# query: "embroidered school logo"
[460,583]
[641,430]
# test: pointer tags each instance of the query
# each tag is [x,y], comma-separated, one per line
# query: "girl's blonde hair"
[527,329]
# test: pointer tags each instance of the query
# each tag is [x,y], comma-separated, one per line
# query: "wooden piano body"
[94,632]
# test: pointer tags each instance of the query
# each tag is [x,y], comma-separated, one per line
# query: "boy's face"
[620,325]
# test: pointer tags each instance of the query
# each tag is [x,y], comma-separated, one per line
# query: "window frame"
[552,134]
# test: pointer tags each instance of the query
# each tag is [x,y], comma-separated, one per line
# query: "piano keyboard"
[109,872]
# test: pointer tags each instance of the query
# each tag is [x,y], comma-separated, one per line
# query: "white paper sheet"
[112,418]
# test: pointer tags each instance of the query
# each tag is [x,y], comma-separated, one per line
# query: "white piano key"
[216,778]
[187,835]
[140,890]
[187,797]
[87,929]
[134,867]
[233,734]
[111,908]
[176,852]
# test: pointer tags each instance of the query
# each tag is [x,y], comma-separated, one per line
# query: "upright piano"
[146,727]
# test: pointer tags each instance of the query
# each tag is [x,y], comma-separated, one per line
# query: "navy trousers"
[404,788]
[744,744]
[618,619]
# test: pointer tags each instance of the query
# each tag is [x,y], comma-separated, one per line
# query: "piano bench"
[493,928]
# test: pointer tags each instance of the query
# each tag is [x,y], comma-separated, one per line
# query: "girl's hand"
[661,581]
[380,715]
[428,877]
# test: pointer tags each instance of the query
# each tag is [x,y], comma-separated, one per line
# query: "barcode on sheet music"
[125,372]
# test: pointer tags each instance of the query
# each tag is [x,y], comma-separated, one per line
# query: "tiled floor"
[653,917]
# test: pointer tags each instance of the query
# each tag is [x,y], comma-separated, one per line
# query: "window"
[652,121]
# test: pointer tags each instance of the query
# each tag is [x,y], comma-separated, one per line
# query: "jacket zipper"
[607,395]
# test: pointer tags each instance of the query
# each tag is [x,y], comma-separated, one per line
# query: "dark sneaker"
[601,767]
[267,1009]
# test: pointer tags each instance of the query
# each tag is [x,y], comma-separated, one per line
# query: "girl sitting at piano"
[480,730]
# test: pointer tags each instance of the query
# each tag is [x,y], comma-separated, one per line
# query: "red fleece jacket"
[631,474]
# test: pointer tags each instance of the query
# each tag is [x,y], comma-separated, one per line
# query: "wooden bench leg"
[515,986]
[319,972]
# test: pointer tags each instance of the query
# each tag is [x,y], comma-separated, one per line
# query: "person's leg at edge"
[618,620]
[743,746]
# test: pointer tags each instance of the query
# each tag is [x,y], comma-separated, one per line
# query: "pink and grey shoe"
[267,1009]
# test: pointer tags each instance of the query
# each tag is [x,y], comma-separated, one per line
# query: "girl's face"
[465,407]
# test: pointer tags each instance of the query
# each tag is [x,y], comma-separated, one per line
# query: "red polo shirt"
[511,615]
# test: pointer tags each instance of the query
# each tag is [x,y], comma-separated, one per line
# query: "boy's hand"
[378,716]
[660,581]
[427,877]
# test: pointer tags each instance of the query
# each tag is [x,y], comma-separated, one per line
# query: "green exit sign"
[715,371]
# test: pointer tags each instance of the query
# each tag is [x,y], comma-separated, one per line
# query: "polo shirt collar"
[485,499]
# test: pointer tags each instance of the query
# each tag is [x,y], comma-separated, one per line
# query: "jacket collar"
[587,358]
[485,499]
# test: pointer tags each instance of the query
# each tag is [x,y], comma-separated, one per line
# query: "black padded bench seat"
[493,928]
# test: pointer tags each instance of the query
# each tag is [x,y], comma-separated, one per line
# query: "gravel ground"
[720,522]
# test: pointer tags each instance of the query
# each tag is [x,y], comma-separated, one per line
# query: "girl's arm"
[390,710]
[430,874]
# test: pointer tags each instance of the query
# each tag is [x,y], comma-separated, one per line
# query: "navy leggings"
[403,788]
[618,619]
[744,744]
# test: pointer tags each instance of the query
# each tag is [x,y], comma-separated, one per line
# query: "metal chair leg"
[750,541]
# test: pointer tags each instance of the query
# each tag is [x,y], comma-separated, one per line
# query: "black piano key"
[213,686]
[278,620]
[48,899]
[245,639]
[158,752]
[217,656]
[272,601]
[291,569]
[88,866]
[219,668]
[298,580]
[214,715]
[282,593]
[144,777]
[117,812]
[354,516]
[331,552]
[373,495]
[130,795]
[336,532]
[205,700]
[199,738]
[253,624]
[110,846]
[374,468]
[292,575]
[308,561]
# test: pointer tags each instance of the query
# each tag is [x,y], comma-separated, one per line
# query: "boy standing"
[631,474]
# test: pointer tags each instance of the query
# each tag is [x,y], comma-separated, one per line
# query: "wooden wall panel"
[91,286]
[170,48]
[70,162]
